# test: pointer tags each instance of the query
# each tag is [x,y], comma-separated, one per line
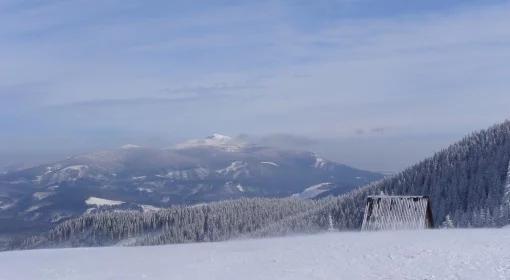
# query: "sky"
[375,84]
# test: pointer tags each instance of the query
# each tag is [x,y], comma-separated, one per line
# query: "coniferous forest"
[468,185]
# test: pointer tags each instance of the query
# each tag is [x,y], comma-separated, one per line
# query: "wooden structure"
[397,213]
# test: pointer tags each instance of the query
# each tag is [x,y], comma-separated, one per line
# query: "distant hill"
[468,183]
[146,179]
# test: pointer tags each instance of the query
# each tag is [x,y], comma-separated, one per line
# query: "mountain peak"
[215,140]
[219,137]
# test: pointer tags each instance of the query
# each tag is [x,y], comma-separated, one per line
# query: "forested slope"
[469,182]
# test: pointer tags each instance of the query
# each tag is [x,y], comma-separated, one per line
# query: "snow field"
[432,254]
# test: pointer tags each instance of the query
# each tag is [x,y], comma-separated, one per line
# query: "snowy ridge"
[149,208]
[6,205]
[35,207]
[216,140]
[240,188]
[235,169]
[142,189]
[96,201]
[69,173]
[79,168]
[42,195]
[270,163]
[313,191]
[200,173]
[320,162]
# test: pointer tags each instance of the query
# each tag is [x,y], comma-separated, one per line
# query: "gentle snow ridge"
[149,208]
[270,163]
[42,195]
[319,162]
[79,168]
[6,205]
[240,188]
[236,169]
[101,201]
[313,191]
[130,146]
[217,140]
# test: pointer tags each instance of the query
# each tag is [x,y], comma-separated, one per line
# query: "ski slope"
[435,254]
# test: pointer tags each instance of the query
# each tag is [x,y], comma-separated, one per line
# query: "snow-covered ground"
[437,254]
[313,191]
[96,201]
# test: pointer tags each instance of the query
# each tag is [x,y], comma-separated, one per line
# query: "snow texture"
[35,207]
[78,168]
[141,189]
[240,188]
[235,169]
[101,201]
[130,146]
[42,195]
[69,173]
[431,254]
[216,140]
[52,188]
[320,162]
[313,191]
[6,205]
[270,163]
[149,208]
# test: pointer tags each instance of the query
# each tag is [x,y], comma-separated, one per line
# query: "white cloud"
[424,73]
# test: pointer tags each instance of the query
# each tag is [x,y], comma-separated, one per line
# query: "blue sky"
[375,84]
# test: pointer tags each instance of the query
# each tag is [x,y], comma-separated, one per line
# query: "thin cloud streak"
[236,69]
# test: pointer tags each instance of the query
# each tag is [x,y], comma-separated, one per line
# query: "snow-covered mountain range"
[467,183]
[134,177]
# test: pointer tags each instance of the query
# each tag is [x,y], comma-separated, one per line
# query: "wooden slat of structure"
[397,213]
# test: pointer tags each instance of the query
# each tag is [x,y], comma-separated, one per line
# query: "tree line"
[468,185]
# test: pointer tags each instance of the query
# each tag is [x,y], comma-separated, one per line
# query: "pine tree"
[448,223]
[330,222]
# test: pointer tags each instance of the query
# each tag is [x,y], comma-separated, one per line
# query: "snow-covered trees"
[211,222]
[468,180]
[447,223]
[468,185]
[331,226]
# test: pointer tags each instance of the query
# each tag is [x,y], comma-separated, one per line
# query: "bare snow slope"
[438,254]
